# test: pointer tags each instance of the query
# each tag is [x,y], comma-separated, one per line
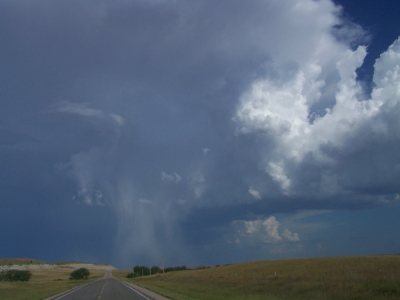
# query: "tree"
[15,275]
[155,270]
[81,273]
[141,270]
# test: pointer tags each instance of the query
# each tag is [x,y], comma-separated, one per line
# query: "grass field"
[43,284]
[370,277]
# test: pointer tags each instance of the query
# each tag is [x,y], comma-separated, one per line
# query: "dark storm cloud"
[185,116]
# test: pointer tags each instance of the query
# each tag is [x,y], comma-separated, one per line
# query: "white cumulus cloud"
[254,193]
[282,109]
[265,231]
[294,237]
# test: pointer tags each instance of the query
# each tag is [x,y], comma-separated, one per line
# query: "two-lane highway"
[107,288]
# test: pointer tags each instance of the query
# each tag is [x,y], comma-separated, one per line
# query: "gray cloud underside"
[183,115]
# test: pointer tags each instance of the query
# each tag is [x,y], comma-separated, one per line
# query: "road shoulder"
[146,291]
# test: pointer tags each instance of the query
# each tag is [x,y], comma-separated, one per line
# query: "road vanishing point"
[108,288]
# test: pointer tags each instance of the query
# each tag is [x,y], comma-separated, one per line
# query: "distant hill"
[20,261]
[30,263]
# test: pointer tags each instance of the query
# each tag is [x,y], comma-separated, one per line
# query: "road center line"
[135,291]
[102,289]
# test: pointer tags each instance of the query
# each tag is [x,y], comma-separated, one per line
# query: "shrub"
[81,273]
[15,275]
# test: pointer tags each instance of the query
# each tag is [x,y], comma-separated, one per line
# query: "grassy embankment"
[370,277]
[44,282]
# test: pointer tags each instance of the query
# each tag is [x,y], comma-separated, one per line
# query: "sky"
[199,132]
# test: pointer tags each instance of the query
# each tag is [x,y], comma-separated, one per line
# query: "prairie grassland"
[43,284]
[369,277]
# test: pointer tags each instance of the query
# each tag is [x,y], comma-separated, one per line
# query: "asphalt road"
[107,288]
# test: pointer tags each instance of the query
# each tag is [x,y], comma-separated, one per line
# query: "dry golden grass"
[370,277]
[43,284]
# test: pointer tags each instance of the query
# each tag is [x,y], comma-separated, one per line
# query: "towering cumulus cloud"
[197,125]
[283,110]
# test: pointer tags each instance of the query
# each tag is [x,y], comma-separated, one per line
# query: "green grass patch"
[369,277]
[43,284]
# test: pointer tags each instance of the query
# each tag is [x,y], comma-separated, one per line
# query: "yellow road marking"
[101,292]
